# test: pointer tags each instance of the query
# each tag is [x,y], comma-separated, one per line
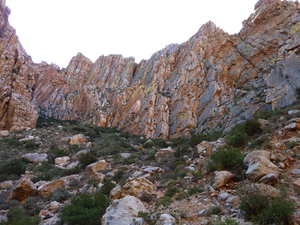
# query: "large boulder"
[250,155]
[123,211]
[166,219]
[134,187]
[78,139]
[267,190]
[23,189]
[222,178]
[95,167]
[47,188]
[260,166]
[62,160]
[35,157]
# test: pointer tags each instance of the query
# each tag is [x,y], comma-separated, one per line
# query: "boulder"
[47,188]
[5,184]
[4,133]
[233,200]
[95,167]
[297,184]
[222,178]
[260,166]
[270,178]
[250,155]
[62,160]
[23,189]
[35,157]
[204,148]
[153,170]
[72,165]
[166,219]
[163,151]
[223,196]
[79,153]
[267,190]
[123,211]
[292,126]
[263,123]
[134,187]
[78,139]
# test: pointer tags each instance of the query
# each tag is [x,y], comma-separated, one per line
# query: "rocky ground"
[173,181]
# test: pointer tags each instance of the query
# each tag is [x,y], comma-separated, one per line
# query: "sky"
[56,30]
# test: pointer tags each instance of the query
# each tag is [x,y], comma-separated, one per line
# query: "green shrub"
[120,176]
[224,159]
[195,190]
[151,156]
[290,144]
[13,167]
[261,142]
[148,218]
[59,195]
[30,206]
[198,138]
[262,210]
[17,216]
[161,143]
[87,159]
[228,221]
[214,210]
[85,209]
[107,186]
[165,201]
[197,175]
[251,127]
[298,92]
[10,204]
[171,191]
[238,139]
[31,145]
[146,198]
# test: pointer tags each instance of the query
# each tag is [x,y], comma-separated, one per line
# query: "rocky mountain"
[211,82]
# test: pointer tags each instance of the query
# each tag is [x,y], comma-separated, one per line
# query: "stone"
[233,200]
[95,167]
[292,126]
[260,166]
[5,184]
[166,219]
[55,205]
[79,153]
[202,212]
[293,111]
[123,211]
[267,190]
[73,165]
[295,171]
[270,178]
[297,184]
[23,189]
[153,170]
[35,157]
[250,155]
[223,196]
[125,155]
[134,187]
[222,178]
[47,188]
[62,160]
[4,133]
[263,123]
[163,151]
[204,147]
[78,139]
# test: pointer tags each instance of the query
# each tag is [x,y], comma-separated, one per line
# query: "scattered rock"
[163,151]
[223,196]
[293,111]
[62,160]
[222,178]
[5,184]
[233,200]
[23,189]
[260,166]
[267,190]
[79,153]
[204,148]
[250,155]
[152,170]
[72,165]
[202,212]
[123,211]
[4,133]
[125,155]
[263,123]
[78,139]
[292,126]
[297,184]
[270,178]
[47,188]
[134,187]
[295,171]
[95,167]
[36,157]
[166,219]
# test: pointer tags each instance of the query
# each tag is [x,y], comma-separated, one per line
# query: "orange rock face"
[211,82]
[17,79]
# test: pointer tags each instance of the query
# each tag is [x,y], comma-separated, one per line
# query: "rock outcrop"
[17,79]
[211,82]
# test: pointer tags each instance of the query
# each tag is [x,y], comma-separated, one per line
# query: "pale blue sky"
[55,30]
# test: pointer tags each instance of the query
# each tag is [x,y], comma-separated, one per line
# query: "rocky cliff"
[17,79]
[211,82]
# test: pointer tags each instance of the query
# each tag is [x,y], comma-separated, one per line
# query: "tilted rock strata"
[212,81]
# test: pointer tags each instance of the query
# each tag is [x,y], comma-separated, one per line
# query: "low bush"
[197,175]
[30,206]
[290,144]
[214,210]
[17,216]
[14,167]
[263,210]
[165,201]
[85,209]
[87,159]
[227,221]
[107,186]
[148,218]
[238,139]
[59,195]
[147,198]
[219,160]
[171,191]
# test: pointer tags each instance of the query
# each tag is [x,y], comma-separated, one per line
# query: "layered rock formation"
[212,81]
[17,79]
